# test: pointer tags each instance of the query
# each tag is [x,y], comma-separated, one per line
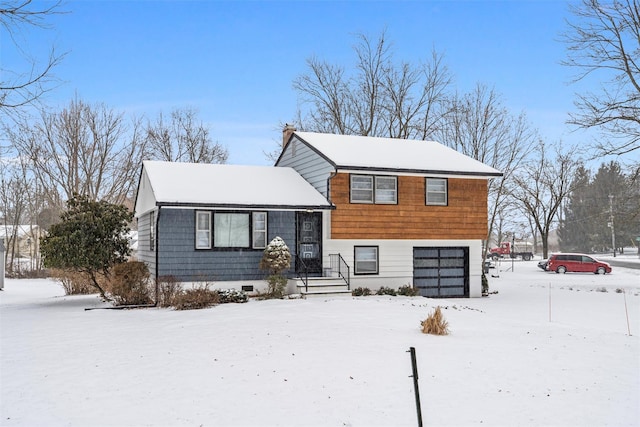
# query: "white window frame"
[359,252]
[258,232]
[353,190]
[152,231]
[206,231]
[435,192]
[226,238]
[378,190]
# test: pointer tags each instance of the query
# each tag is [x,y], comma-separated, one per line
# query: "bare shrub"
[196,298]
[74,283]
[168,290]
[129,284]
[435,324]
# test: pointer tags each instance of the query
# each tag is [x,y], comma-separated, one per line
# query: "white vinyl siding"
[395,261]
[436,191]
[259,230]
[231,230]
[203,230]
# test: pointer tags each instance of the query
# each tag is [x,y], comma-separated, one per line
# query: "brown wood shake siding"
[465,216]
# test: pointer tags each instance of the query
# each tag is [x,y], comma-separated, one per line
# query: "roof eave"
[230,206]
[420,171]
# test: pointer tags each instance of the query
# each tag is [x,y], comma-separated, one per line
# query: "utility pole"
[613,234]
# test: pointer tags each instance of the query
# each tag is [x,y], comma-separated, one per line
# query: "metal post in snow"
[414,367]
[1,264]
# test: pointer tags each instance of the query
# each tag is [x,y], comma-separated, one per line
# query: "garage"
[441,271]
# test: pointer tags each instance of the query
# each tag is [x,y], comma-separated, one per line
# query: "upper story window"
[437,191]
[259,230]
[374,189]
[203,230]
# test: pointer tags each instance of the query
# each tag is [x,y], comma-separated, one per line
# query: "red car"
[561,263]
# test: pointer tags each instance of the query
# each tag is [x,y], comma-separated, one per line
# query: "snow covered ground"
[546,350]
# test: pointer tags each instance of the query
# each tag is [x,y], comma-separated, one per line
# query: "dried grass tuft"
[435,323]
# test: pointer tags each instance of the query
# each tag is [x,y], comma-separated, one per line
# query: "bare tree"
[183,139]
[542,185]
[477,124]
[14,193]
[19,88]
[605,40]
[377,98]
[83,149]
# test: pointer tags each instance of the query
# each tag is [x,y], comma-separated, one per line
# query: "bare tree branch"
[19,88]
[605,40]
[184,139]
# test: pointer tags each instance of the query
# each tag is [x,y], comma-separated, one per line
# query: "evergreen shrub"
[361,292]
[408,291]
[384,290]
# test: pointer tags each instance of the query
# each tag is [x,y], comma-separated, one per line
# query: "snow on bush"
[276,259]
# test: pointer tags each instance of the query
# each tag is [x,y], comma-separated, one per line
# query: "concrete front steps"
[323,287]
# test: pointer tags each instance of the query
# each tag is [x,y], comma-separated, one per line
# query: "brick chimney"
[286,133]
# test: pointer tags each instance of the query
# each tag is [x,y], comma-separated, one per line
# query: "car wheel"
[562,269]
[601,270]
[526,257]
[495,257]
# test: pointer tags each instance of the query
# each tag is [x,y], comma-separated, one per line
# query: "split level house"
[354,211]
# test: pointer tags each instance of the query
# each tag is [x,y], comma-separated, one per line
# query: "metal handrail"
[305,269]
[342,268]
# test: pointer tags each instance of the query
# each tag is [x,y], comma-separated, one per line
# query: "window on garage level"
[366,259]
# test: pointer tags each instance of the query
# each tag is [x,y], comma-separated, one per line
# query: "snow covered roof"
[227,186]
[390,154]
[21,231]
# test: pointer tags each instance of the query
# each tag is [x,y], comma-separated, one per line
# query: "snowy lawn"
[547,349]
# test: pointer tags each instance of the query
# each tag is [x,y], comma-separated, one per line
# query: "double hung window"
[366,259]
[259,230]
[203,230]
[437,191]
[374,189]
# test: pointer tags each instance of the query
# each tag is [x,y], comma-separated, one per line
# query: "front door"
[309,249]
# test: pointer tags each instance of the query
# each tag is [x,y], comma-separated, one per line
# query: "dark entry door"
[441,271]
[309,226]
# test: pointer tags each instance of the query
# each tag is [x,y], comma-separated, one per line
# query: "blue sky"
[235,61]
